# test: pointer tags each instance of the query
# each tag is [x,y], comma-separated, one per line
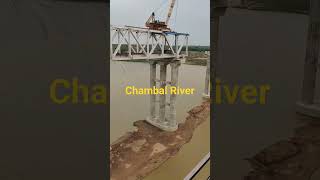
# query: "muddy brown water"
[125,109]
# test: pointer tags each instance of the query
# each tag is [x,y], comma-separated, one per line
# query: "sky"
[189,16]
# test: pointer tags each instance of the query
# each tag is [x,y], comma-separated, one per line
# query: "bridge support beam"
[164,117]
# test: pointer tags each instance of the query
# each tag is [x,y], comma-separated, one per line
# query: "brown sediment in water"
[294,159]
[138,153]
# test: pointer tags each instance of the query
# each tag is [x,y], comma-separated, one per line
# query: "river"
[125,109]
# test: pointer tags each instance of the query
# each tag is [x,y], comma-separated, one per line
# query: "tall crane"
[154,24]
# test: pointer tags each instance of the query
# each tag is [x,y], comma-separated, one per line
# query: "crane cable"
[161,13]
[160,5]
[159,10]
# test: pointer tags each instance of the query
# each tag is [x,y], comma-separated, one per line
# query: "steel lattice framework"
[134,43]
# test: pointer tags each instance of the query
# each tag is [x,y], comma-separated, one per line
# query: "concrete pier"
[307,104]
[174,81]
[165,117]
[310,67]
[153,75]
[206,93]
[163,84]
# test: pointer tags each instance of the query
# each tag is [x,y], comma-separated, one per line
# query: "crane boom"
[170,10]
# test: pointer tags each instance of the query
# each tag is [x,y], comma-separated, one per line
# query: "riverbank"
[196,61]
[297,158]
[197,58]
[139,153]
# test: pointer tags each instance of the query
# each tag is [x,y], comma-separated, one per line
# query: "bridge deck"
[143,57]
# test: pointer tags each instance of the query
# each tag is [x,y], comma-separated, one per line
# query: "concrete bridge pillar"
[163,84]
[153,73]
[174,82]
[206,93]
[307,104]
[163,117]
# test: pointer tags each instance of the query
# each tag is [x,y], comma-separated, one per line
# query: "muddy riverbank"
[197,58]
[297,158]
[138,153]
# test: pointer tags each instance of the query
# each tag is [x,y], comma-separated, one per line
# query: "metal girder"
[129,43]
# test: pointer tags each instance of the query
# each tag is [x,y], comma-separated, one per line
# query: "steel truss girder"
[140,43]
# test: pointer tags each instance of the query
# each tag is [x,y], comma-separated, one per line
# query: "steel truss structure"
[135,43]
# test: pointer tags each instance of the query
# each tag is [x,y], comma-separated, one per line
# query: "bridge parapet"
[136,43]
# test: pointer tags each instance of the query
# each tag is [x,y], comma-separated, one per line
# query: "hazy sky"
[193,16]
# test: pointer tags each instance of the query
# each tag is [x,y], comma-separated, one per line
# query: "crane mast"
[170,10]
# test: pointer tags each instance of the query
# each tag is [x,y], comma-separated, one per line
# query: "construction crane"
[154,24]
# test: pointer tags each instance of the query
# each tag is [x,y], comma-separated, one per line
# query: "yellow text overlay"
[132,90]
[76,93]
